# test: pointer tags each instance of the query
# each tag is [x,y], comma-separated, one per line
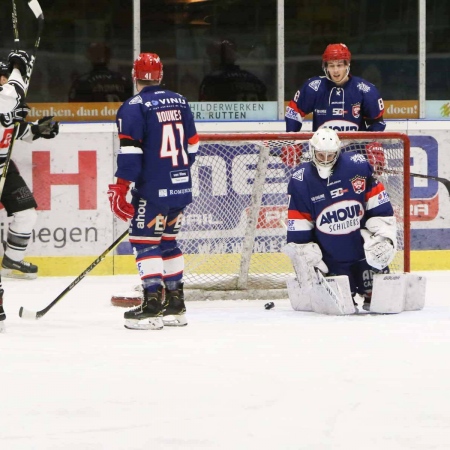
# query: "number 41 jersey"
[158,144]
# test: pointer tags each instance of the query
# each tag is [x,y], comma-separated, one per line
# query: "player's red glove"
[291,154]
[375,156]
[117,198]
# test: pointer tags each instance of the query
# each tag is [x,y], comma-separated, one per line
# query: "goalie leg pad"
[332,296]
[415,292]
[388,293]
[298,297]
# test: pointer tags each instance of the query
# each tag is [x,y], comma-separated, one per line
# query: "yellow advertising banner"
[104,112]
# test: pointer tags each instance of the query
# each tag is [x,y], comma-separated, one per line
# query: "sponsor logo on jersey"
[338,111]
[383,197]
[358,158]
[292,114]
[136,100]
[140,213]
[363,87]
[340,125]
[298,175]
[340,218]
[162,193]
[320,112]
[318,198]
[339,192]
[356,110]
[315,85]
[333,182]
[179,176]
[358,184]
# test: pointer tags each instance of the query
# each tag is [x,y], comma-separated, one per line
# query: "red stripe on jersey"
[293,214]
[193,140]
[125,136]
[294,106]
[374,191]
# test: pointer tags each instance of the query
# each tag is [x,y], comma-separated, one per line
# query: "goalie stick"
[34,315]
[37,11]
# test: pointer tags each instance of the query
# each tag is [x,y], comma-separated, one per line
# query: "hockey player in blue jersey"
[337,100]
[340,216]
[158,144]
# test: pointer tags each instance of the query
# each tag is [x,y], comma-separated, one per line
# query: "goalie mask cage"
[233,232]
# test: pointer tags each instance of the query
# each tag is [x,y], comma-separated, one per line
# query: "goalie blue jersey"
[158,144]
[331,212]
[355,106]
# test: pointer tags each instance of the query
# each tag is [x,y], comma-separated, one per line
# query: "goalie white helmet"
[325,147]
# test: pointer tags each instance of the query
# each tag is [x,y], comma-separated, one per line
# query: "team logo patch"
[136,100]
[315,84]
[299,174]
[358,184]
[356,110]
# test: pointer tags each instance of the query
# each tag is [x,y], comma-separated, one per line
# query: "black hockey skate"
[2,312]
[366,304]
[147,316]
[174,308]
[18,269]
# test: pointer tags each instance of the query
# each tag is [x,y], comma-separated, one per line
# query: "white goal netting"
[233,231]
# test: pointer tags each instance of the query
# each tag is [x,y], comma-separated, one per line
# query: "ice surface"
[237,377]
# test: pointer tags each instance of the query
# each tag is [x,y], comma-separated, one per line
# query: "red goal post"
[232,233]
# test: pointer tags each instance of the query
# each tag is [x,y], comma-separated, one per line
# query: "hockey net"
[233,231]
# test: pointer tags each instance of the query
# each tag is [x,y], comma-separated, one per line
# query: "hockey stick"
[37,11]
[34,315]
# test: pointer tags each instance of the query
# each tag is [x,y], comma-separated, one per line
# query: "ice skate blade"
[150,323]
[17,274]
[178,320]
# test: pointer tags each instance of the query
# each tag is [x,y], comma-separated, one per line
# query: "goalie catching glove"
[380,241]
[117,198]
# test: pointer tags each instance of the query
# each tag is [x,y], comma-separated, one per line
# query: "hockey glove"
[22,60]
[380,241]
[291,155]
[117,198]
[376,158]
[17,115]
[46,128]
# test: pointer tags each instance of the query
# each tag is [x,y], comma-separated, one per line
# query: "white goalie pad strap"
[394,293]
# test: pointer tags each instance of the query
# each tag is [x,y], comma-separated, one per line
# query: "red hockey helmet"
[148,67]
[336,52]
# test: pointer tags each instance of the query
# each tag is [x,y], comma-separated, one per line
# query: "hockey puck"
[126,301]
[269,305]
